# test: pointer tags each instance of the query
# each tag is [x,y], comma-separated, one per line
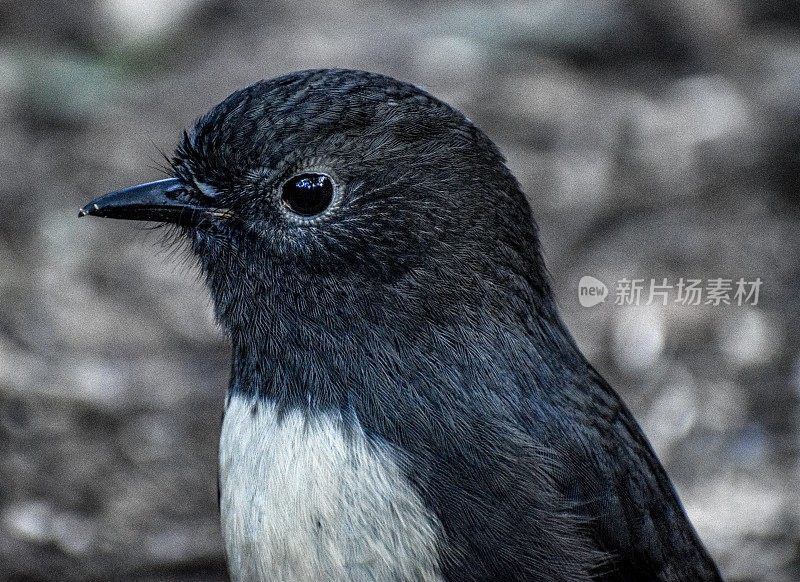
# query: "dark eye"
[307,194]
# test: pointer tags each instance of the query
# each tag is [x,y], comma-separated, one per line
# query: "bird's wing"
[628,499]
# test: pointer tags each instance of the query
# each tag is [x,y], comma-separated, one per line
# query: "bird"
[405,401]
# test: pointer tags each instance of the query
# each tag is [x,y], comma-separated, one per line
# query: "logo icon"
[591,291]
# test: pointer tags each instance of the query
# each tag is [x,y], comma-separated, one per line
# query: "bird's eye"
[307,194]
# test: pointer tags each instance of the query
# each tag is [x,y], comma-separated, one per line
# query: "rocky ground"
[655,140]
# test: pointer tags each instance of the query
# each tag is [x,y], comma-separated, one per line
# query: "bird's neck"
[344,362]
[298,362]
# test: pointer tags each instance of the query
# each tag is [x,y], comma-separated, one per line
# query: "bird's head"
[326,189]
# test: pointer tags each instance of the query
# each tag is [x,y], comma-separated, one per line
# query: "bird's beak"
[159,201]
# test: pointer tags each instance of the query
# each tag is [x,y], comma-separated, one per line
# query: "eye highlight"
[307,194]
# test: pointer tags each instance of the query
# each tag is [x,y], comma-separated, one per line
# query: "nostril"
[175,192]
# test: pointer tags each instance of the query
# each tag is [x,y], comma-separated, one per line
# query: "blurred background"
[655,140]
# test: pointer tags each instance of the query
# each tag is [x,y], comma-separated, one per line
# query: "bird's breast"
[305,496]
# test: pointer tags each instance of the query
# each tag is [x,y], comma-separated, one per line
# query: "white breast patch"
[302,500]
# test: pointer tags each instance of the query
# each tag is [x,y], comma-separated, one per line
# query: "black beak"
[159,201]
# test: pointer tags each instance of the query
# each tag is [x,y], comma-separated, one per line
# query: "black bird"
[405,402]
